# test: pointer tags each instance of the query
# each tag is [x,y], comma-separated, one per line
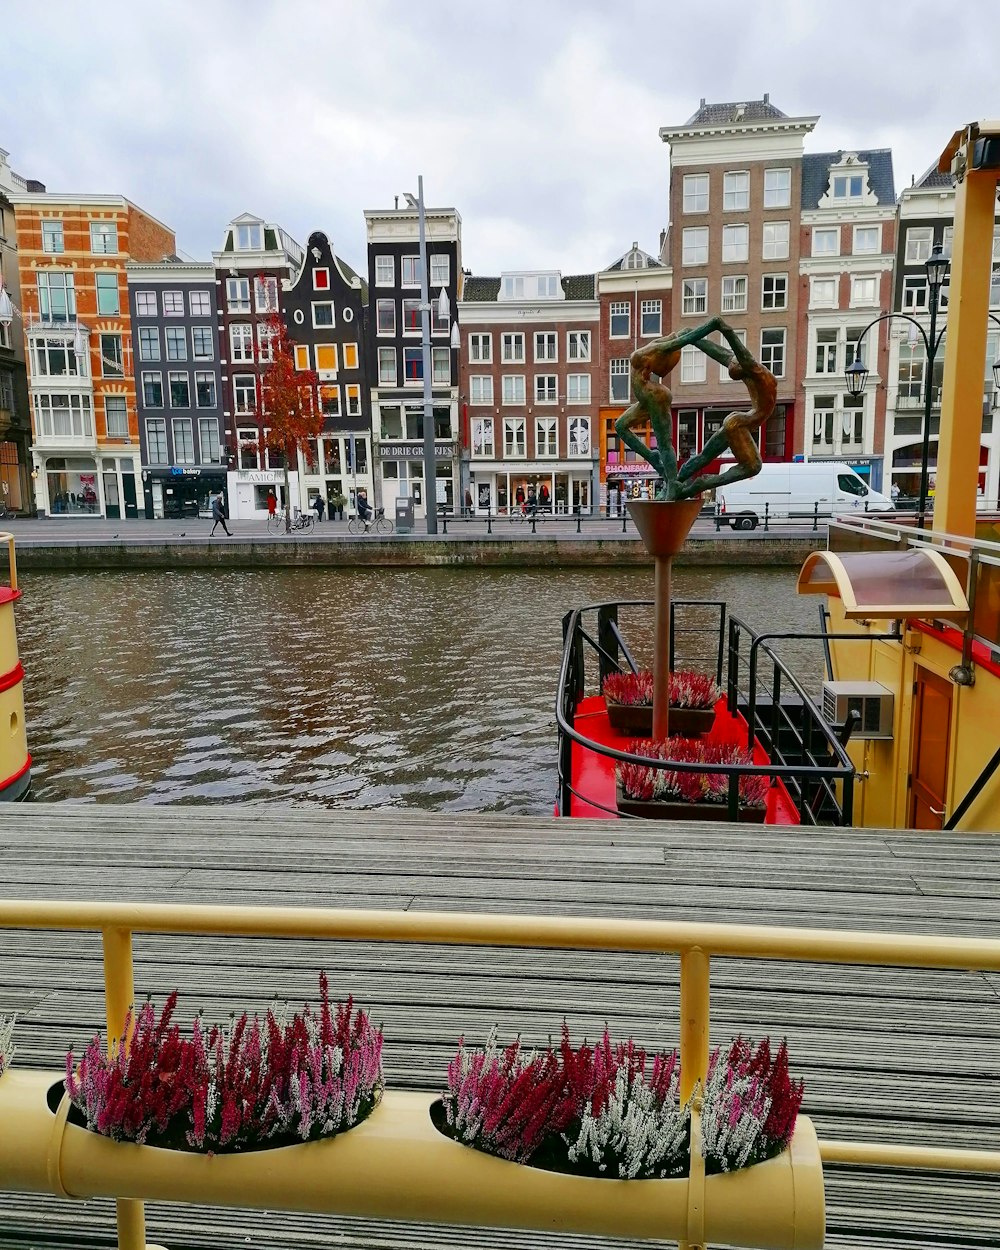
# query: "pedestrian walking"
[319,503]
[219,515]
[272,504]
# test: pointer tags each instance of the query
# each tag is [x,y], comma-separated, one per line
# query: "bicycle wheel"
[355,526]
[275,524]
[384,525]
[307,523]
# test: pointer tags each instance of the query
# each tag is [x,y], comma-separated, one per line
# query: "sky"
[537,119]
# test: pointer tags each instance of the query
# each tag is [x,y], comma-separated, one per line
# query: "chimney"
[635,245]
[396,202]
[767,97]
[702,104]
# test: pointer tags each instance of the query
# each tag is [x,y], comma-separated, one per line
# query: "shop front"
[501,486]
[632,480]
[177,492]
[248,491]
[338,468]
[402,475]
[69,486]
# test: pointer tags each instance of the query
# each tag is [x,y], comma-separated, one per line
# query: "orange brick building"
[78,335]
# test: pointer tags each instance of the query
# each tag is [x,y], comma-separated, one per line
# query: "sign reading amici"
[414,451]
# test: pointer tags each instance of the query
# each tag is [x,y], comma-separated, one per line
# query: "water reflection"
[365,688]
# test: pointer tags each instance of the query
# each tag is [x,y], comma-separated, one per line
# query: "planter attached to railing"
[396,1165]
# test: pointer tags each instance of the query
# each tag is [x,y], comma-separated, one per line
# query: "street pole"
[430,465]
[932,347]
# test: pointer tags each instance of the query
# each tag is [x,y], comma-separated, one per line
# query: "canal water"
[424,688]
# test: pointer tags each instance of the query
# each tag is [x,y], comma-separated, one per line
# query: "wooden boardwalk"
[897,1055]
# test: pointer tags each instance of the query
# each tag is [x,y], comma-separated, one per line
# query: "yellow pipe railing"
[695,943]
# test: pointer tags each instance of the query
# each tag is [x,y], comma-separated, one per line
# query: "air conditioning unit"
[870,699]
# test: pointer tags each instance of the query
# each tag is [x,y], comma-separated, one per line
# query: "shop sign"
[261,477]
[415,451]
[177,471]
[630,470]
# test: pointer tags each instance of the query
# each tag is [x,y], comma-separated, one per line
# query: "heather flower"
[646,782]
[750,1105]
[6,1042]
[687,689]
[244,1086]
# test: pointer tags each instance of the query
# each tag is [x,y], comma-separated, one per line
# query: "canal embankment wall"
[755,549]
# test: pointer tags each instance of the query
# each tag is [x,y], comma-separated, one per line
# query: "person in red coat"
[272,504]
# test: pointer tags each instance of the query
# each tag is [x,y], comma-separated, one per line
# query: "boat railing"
[806,753]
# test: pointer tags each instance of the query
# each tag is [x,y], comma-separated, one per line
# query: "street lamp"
[6,306]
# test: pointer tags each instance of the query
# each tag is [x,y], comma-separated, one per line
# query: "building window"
[321,279]
[176,340]
[108,302]
[441,361]
[735,244]
[724,369]
[204,390]
[112,363]
[545,388]
[777,188]
[578,388]
[774,292]
[248,238]
[63,416]
[145,304]
[57,358]
[546,346]
[867,239]
[149,343]
[848,187]
[440,270]
[694,245]
[823,410]
[202,343]
[180,390]
[512,348]
[734,294]
[620,380]
[696,193]
[481,348]
[183,432]
[301,353]
[578,345]
[514,437]
[775,240]
[387,366]
[249,449]
[693,364]
[826,351]
[329,402]
[385,312]
[513,388]
[409,270]
[579,436]
[265,294]
[56,296]
[694,296]
[238,295]
[245,392]
[200,303]
[823,292]
[208,439]
[513,288]
[326,358]
[52,237]
[482,436]
[864,292]
[919,242]
[385,271]
[241,344]
[621,319]
[546,437]
[826,241]
[411,316]
[772,351]
[350,351]
[480,389]
[116,416]
[267,332]
[439,324]
[651,322]
[354,400]
[735,191]
[322,315]
[152,390]
[413,365]
[915,293]
[173,303]
[156,441]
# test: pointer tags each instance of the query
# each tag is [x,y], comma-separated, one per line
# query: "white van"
[795,490]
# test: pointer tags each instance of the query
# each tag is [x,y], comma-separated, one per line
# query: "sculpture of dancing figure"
[652,403]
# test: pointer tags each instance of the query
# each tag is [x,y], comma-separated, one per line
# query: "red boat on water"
[763,709]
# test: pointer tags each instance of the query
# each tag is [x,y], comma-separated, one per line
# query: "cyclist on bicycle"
[364,508]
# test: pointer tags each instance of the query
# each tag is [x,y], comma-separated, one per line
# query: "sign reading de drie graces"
[415,451]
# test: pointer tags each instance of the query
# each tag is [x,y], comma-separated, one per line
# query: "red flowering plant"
[687,689]
[648,783]
[246,1087]
[613,1109]
[6,1042]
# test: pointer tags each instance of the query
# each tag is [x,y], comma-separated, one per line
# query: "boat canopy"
[887,585]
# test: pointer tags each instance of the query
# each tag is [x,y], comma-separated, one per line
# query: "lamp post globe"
[937,265]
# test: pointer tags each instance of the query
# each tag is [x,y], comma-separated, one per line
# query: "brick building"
[73,251]
[15,420]
[733,247]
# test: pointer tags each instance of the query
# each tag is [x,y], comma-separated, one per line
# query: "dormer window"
[531,286]
[513,288]
[848,187]
[548,286]
[249,238]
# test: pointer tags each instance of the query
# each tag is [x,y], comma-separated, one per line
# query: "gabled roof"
[487,290]
[635,258]
[816,177]
[931,178]
[737,111]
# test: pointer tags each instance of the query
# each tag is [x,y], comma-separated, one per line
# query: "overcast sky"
[537,119]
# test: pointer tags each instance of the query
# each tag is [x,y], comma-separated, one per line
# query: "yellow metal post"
[119,995]
[694,1020]
[965,354]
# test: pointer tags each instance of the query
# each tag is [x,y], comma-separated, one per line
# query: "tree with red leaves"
[288,414]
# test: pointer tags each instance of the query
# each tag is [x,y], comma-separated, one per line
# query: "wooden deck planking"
[868,1041]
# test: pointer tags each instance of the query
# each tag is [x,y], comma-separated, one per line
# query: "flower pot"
[661,809]
[637,719]
[396,1165]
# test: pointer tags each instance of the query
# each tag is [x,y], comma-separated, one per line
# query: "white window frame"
[696,188]
[481,349]
[484,447]
[620,308]
[413,354]
[265,293]
[387,376]
[864,291]
[919,244]
[53,236]
[772,346]
[915,294]
[481,388]
[200,303]
[731,301]
[694,297]
[150,374]
[101,233]
[238,295]
[323,303]
[776,248]
[736,191]
[107,288]
[385,270]
[512,389]
[823,291]
[512,348]
[409,271]
[693,365]
[201,375]
[183,454]
[578,448]
[779,195]
[823,235]
[173,303]
[649,308]
[248,237]
[407,308]
[735,244]
[546,346]
[825,352]
[515,438]
[209,446]
[177,337]
[440,265]
[149,335]
[578,345]
[156,441]
[120,404]
[847,193]
[694,245]
[241,349]
[178,374]
[578,388]
[243,385]
[775,278]
[546,438]
[440,366]
[380,306]
[203,333]
[145,304]
[619,368]
[875,230]
[546,388]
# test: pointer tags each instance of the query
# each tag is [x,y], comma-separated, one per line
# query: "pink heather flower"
[687,689]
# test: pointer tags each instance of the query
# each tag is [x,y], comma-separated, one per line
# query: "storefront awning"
[886,585]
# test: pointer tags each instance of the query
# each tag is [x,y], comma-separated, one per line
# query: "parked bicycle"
[377,523]
[302,522]
[527,513]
